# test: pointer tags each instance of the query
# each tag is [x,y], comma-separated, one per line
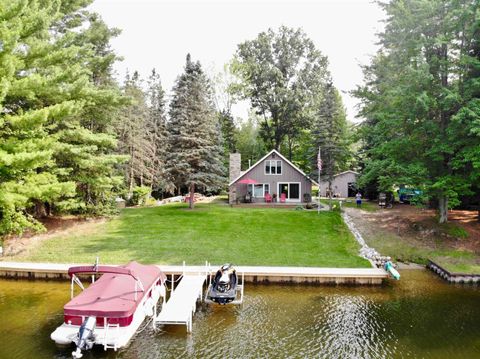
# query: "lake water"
[418,317]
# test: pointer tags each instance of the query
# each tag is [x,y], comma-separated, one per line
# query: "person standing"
[358,197]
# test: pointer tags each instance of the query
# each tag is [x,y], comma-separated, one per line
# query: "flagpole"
[319,166]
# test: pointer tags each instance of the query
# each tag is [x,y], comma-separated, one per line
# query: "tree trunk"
[330,203]
[192,193]
[443,209]
[40,211]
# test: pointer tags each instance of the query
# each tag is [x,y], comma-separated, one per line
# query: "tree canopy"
[55,151]
[281,73]
[421,100]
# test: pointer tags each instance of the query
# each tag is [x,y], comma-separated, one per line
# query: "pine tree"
[135,139]
[55,154]
[422,113]
[228,129]
[88,144]
[195,147]
[329,133]
[156,127]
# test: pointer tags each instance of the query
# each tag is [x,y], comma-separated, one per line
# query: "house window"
[259,190]
[273,167]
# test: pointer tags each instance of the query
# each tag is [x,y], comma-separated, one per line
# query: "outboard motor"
[85,337]
[223,290]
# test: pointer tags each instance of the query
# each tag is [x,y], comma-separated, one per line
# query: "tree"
[249,143]
[87,151]
[157,130]
[47,93]
[135,138]
[280,73]
[227,126]
[329,133]
[420,100]
[195,146]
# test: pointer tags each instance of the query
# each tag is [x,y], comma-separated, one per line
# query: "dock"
[253,274]
[182,304]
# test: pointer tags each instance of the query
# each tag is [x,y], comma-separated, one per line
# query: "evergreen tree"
[195,147]
[156,127]
[228,129]
[135,138]
[47,90]
[329,133]
[420,100]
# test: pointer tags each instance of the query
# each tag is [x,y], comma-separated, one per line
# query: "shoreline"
[253,274]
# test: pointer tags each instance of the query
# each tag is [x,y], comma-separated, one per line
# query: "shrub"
[140,194]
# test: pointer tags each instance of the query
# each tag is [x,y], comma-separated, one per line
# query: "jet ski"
[223,289]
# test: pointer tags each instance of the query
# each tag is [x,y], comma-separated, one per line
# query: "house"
[273,174]
[343,185]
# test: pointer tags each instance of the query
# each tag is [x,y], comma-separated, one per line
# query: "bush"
[150,202]
[140,194]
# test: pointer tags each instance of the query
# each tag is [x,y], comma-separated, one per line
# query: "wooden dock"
[255,274]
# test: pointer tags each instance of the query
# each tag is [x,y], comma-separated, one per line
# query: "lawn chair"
[268,197]
[283,198]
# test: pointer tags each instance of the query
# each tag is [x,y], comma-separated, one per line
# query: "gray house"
[270,177]
[343,185]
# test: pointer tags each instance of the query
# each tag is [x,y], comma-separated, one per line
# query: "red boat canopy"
[101,269]
[113,294]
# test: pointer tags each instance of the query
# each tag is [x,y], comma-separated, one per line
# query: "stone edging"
[453,277]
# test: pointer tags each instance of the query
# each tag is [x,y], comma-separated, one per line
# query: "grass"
[399,248]
[350,203]
[218,233]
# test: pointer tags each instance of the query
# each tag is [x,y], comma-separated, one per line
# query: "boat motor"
[85,337]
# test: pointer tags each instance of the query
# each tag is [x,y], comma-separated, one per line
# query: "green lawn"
[400,248]
[214,232]
[351,203]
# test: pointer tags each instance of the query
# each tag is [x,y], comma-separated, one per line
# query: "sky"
[159,33]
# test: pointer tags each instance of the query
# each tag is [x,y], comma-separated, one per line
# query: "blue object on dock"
[390,269]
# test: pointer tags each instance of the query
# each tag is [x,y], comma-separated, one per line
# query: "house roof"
[349,171]
[263,158]
[342,173]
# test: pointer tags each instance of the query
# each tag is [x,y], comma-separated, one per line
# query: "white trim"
[252,188]
[263,158]
[342,173]
[276,167]
[288,198]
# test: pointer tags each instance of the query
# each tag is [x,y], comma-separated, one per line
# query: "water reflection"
[418,317]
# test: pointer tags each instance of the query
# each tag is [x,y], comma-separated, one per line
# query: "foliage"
[140,195]
[280,73]
[55,151]
[157,130]
[421,100]
[330,135]
[249,143]
[194,138]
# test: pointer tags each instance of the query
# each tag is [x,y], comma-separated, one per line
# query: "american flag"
[319,160]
